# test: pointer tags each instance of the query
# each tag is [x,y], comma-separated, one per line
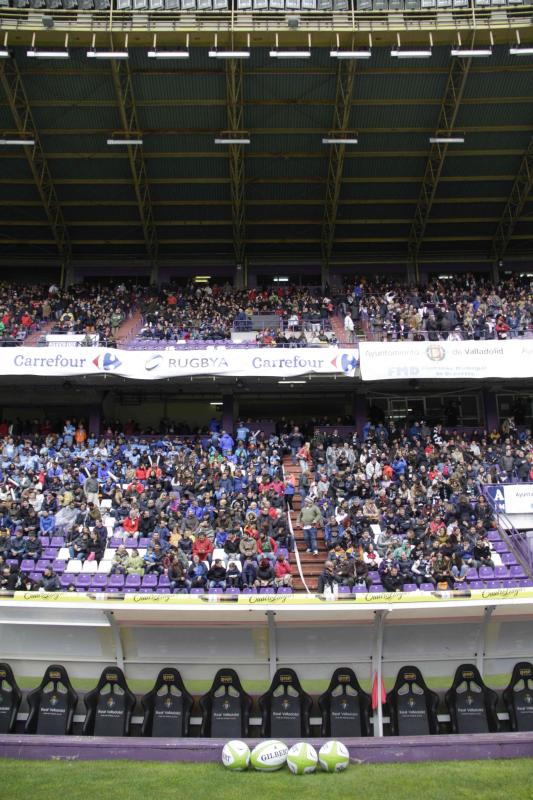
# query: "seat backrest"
[167,707]
[471,704]
[285,707]
[52,704]
[10,697]
[345,706]
[413,706]
[225,707]
[109,705]
[518,697]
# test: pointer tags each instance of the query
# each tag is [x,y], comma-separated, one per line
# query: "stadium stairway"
[33,339]
[312,565]
[129,329]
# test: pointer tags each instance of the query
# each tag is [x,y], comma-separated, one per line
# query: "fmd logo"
[107,362]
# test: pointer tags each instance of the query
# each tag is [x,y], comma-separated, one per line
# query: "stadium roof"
[286,195]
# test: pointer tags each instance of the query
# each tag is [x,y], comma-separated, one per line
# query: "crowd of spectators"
[404,503]
[203,512]
[464,307]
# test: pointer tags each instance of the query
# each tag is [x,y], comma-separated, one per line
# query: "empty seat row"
[285,709]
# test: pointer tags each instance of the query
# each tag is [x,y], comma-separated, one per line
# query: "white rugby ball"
[302,759]
[269,755]
[236,755]
[333,756]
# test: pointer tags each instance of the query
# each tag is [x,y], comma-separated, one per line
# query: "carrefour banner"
[449,359]
[152,365]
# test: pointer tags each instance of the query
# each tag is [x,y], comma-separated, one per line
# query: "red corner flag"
[375,699]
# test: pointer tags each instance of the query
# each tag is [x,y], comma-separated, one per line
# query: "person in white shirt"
[349,328]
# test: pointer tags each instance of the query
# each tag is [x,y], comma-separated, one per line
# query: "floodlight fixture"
[353,52]
[17,142]
[398,52]
[446,139]
[124,142]
[518,50]
[298,54]
[113,55]
[232,53]
[472,52]
[169,54]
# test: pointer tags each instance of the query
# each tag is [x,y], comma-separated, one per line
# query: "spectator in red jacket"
[282,571]
[202,548]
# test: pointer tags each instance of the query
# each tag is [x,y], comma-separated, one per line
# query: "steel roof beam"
[122,81]
[341,122]
[514,206]
[235,112]
[451,102]
[17,99]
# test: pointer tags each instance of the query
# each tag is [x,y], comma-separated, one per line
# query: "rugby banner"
[446,359]
[174,363]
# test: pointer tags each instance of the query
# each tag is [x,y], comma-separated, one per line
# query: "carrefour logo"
[347,362]
[107,362]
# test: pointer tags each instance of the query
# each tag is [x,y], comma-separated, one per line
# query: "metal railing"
[516,542]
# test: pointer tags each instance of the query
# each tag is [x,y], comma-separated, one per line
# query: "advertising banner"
[445,359]
[157,364]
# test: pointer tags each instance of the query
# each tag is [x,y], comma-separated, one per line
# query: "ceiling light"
[124,142]
[229,54]
[112,54]
[48,54]
[292,381]
[4,53]
[216,403]
[168,54]
[338,140]
[521,51]
[23,142]
[478,53]
[232,141]
[446,139]
[411,53]
[350,53]
[290,54]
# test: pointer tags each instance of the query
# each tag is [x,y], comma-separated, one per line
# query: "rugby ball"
[333,757]
[302,759]
[236,755]
[269,756]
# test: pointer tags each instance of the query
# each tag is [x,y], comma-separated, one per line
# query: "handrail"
[296,552]
[516,541]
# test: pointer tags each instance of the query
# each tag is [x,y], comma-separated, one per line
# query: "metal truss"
[451,102]
[514,206]
[235,109]
[130,126]
[17,99]
[341,121]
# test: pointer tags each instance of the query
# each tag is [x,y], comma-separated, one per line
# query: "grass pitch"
[128,780]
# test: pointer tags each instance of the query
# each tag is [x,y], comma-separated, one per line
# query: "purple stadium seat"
[66,580]
[410,587]
[149,582]
[197,590]
[131,542]
[36,576]
[517,572]
[377,587]
[163,590]
[130,590]
[116,581]
[247,590]
[232,590]
[216,590]
[525,583]
[113,590]
[501,572]
[500,547]
[83,581]
[143,542]
[508,559]
[376,577]
[493,536]
[494,584]
[359,589]
[27,565]
[133,581]
[477,585]
[50,552]
[344,590]
[45,541]
[57,541]
[284,590]
[266,590]
[163,581]
[427,587]
[99,581]
[486,573]
[59,565]
[42,564]
[115,542]
[472,575]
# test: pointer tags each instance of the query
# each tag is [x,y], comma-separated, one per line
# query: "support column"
[482,639]
[492,420]
[95,420]
[495,272]
[377,671]
[412,273]
[228,413]
[359,413]
[117,641]
[272,644]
